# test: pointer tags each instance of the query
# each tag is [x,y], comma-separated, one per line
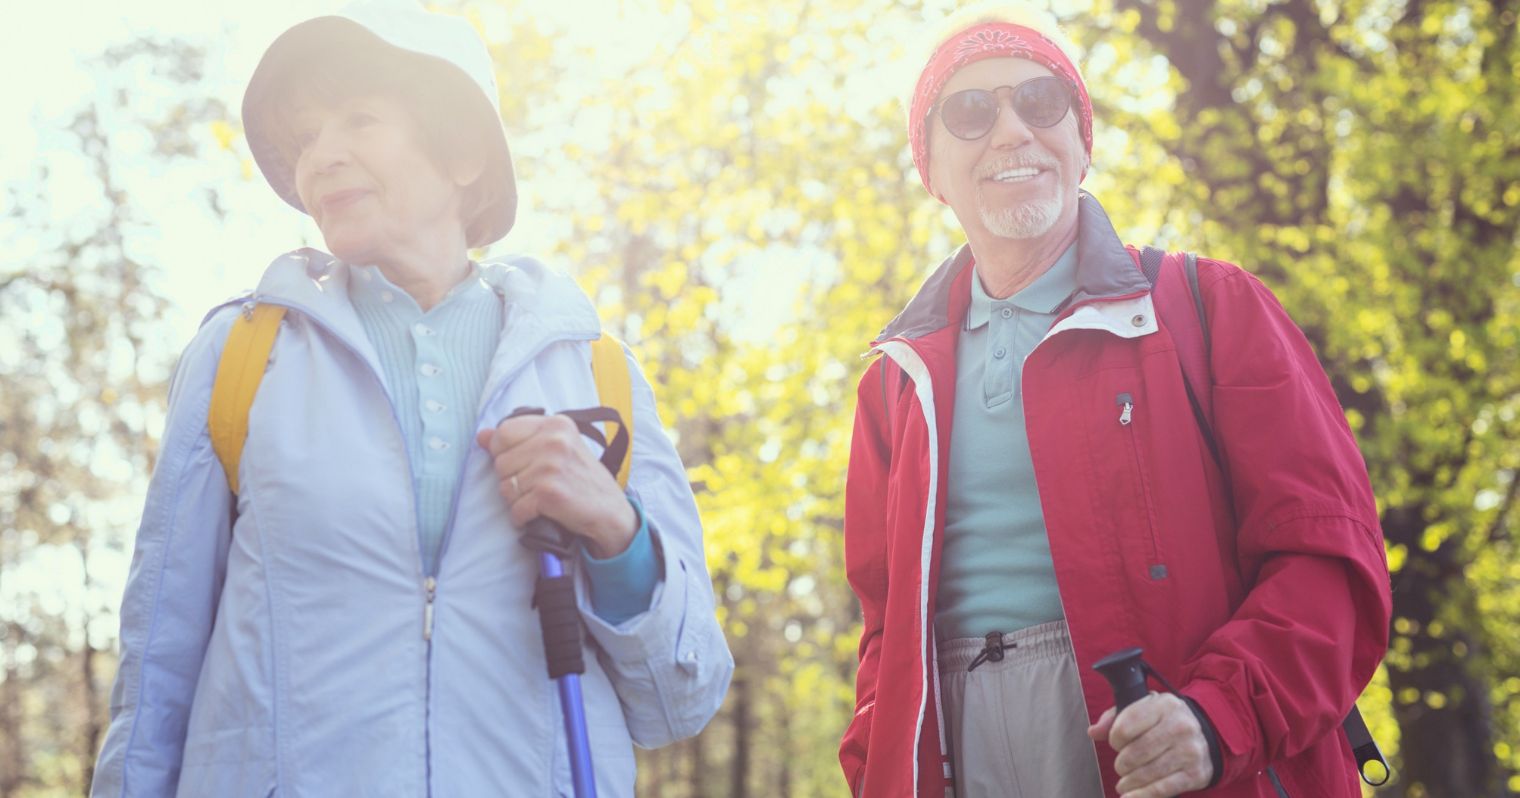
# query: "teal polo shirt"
[995,567]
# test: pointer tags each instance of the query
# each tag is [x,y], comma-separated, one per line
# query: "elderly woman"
[355,616]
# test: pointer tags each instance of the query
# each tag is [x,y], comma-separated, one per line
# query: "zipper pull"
[431,586]
[1127,408]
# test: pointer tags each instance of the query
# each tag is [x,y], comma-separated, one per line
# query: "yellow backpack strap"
[238,374]
[614,387]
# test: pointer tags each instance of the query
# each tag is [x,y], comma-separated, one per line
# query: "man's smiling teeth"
[1015,175]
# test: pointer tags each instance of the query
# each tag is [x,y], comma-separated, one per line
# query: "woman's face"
[365,175]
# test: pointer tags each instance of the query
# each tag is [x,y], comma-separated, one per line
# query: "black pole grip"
[1125,672]
[561,624]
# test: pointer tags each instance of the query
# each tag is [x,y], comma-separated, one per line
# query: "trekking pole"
[560,620]
[1125,671]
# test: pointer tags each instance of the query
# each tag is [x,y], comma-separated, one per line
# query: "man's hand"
[546,470]
[1162,750]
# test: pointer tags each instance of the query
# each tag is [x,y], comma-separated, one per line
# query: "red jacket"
[1271,611]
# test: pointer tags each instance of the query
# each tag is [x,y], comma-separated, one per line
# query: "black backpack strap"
[1190,271]
[1150,263]
[1190,267]
[1364,749]
[1151,260]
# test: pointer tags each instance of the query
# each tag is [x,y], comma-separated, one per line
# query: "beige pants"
[1018,728]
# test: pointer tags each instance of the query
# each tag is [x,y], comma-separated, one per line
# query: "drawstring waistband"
[1005,648]
[993,651]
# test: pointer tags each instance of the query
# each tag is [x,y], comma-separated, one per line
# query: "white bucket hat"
[371,31]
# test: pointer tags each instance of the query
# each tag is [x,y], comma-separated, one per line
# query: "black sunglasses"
[970,114]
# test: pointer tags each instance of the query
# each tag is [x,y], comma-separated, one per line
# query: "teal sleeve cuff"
[622,586]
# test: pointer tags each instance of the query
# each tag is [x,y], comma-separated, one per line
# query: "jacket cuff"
[651,635]
[1238,745]
[623,584]
[1216,755]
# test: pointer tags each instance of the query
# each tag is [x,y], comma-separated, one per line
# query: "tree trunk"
[12,745]
[784,738]
[740,766]
[92,702]
[699,775]
[1447,729]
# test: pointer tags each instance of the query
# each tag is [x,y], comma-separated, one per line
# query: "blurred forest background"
[1362,157]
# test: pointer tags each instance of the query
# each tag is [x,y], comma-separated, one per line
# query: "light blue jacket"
[277,647]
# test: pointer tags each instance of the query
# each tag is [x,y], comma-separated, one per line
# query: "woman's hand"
[546,470]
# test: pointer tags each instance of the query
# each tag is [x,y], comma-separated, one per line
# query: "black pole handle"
[1125,672]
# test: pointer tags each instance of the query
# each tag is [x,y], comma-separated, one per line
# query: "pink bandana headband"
[982,41]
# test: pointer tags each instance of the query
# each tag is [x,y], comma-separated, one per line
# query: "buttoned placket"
[431,396]
[1000,367]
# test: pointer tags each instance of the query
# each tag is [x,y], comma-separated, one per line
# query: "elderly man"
[1030,490]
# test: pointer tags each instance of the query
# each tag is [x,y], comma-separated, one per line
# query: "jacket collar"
[1104,271]
[541,305]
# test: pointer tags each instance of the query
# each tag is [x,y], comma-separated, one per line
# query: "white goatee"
[1025,220]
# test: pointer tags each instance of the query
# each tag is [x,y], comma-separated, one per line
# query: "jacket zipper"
[430,582]
[1126,403]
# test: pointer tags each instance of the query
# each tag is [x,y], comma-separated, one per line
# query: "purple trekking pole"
[561,623]
[560,620]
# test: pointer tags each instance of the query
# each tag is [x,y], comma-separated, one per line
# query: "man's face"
[987,181]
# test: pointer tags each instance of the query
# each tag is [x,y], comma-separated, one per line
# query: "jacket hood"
[1105,270]
[542,305]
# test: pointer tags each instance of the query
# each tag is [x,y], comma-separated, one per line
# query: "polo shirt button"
[999,353]
[1007,313]
[1138,320]
[429,370]
[386,296]
[437,444]
[433,406]
[423,329]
